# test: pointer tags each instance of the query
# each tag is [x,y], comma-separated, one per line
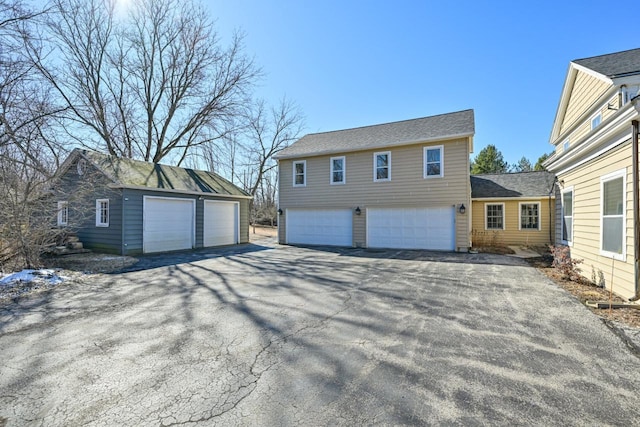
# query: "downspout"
[552,212]
[636,210]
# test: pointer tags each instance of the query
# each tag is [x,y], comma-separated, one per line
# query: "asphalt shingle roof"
[522,184]
[442,126]
[613,64]
[135,173]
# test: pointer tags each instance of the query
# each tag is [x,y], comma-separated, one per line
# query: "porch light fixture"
[279,211]
[358,211]
[462,209]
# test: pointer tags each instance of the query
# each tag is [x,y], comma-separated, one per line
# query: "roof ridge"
[389,123]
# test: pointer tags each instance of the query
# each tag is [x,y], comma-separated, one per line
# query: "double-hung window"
[529,216]
[338,170]
[494,216]
[102,213]
[63,213]
[300,173]
[382,166]
[612,215]
[432,159]
[567,216]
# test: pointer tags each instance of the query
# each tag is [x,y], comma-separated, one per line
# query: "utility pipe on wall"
[636,209]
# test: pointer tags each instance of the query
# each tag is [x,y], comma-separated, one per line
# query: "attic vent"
[82,166]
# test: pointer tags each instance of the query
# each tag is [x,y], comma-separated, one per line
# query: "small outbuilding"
[130,207]
[513,209]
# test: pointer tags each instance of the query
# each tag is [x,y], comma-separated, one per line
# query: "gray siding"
[81,193]
[133,214]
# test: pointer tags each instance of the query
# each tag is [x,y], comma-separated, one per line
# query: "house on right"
[595,138]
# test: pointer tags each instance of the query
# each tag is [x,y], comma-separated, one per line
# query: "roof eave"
[395,144]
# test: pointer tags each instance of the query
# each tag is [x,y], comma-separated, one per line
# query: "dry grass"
[260,232]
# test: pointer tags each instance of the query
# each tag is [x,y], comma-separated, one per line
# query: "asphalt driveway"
[265,335]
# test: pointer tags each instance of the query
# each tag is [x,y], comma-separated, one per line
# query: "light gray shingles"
[383,135]
[613,64]
[523,184]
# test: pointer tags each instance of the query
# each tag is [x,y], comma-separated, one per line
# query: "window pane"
[612,197]
[612,235]
[337,164]
[382,173]
[300,168]
[433,155]
[566,229]
[433,169]
[299,179]
[568,203]
[382,160]
[494,217]
[337,176]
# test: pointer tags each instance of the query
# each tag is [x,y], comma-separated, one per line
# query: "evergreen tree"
[489,160]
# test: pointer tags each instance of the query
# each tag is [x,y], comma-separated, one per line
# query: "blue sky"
[355,63]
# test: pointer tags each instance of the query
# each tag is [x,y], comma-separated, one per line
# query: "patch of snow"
[29,276]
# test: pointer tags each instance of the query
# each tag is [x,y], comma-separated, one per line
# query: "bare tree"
[29,154]
[270,130]
[153,84]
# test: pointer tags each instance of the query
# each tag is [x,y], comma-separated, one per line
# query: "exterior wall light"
[462,209]
[279,211]
[358,211]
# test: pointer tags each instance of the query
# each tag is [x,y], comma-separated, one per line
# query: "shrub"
[566,266]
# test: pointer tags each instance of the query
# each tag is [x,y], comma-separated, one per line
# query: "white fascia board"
[620,125]
[506,199]
[592,73]
[379,147]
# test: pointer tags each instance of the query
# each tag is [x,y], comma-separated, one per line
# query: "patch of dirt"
[90,262]
[584,291]
[260,232]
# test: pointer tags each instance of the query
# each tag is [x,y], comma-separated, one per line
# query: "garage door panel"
[411,228]
[168,224]
[221,221]
[320,227]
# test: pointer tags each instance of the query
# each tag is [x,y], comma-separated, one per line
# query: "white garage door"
[221,220]
[320,227]
[411,228]
[168,224]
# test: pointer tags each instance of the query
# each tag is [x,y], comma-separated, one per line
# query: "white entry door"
[221,223]
[332,227]
[411,228]
[168,224]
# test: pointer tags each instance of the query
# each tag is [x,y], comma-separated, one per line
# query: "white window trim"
[599,113]
[520,216]
[566,144]
[622,173]
[504,225]
[344,171]
[63,204]
[99,202]
[375,166]
[573,215]
[304,175]
[424,161]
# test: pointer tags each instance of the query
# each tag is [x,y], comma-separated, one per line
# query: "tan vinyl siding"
[512,235]
[585,181]
[585,127]
[586,91]
[407,187]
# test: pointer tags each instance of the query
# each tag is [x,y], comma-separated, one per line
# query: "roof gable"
[521,184]
[128,173]
[433,128]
